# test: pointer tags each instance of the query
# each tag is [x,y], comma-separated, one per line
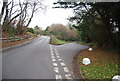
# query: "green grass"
[104,65]
[56,41]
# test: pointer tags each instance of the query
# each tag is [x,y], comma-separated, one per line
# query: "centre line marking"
[56,51]
[53,60]
[58,77]
[68,76]
[55,64]
[51,49]
[52,54]
[56,69]
[62,64]
[58,56]
[52,57]
[65,69]
[60,59]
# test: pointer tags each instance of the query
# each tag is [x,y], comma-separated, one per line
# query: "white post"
[116,78]
[86,61]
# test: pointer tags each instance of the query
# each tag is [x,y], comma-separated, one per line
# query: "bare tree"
[3,9]
[35,6]
[23,12]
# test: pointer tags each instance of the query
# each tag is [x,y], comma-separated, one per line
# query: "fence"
[13,39]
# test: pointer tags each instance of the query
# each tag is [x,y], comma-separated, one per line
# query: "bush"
[30,30]
[11,31]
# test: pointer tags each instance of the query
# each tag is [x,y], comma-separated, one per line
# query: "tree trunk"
[3,8]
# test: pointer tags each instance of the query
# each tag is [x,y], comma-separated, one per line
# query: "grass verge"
[104,65]
[56,41]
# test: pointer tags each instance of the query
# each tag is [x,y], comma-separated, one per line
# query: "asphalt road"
[40,60]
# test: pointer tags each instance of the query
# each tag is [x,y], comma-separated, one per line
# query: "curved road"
[40,60]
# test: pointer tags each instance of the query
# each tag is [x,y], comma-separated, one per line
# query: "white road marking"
[51,49]
[65,69]
[60,59]
[68,76]
[56,51]
[62,64]
[56,69]
[53,60]
[55,64]
[52,57]
[58,56]
[52,54]
[58,77]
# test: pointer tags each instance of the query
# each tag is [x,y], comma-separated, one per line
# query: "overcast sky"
[50,16]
